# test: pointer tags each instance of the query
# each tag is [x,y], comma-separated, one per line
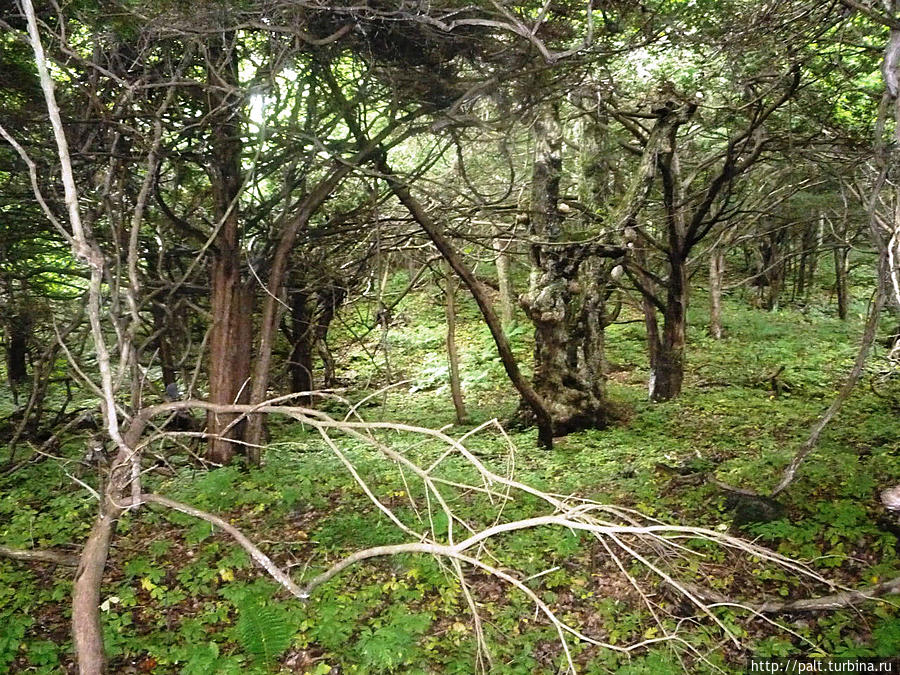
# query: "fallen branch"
[825,603]
[261,558]
[39,556]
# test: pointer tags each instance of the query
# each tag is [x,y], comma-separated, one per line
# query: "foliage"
[401,616]
[288,107]
[262,632]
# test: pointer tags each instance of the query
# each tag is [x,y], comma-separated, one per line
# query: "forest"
[443,336]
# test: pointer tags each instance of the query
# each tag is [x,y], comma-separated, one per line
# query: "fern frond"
[263,632]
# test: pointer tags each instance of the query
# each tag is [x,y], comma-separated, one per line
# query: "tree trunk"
[504,281]
[163,345]
[773,267]
[330,300]
[814,253]
[651,325]
[716,272]
[807,254]
[564,301]
[301,362]
[229,362]
[272,305]
[668,371]
[16,353]
[841,255]
[452,353]
[232,301]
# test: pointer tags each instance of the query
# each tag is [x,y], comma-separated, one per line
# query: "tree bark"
[668,372]
[716,272]
[229,359]
[841,254]
[232,300]
[565,300]
[452,352]
[504,281]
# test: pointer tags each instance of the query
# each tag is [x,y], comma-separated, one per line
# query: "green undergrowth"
[181,597]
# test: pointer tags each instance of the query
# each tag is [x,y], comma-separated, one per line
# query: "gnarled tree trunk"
[565,300]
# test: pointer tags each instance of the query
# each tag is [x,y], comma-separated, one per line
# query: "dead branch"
[39,556]
[261,558]
[825,603]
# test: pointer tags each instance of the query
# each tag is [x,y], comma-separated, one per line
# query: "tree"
[197,160]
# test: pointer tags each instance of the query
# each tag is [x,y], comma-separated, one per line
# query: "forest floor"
[180,597]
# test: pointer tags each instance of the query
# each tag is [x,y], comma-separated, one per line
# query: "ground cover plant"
[496,338]
[185,598]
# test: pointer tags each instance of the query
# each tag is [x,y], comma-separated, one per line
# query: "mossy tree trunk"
[565,299]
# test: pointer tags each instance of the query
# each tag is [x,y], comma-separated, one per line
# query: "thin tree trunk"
[865,346]
[452,352]
[840,280]
[163,345]
[504,281]
[301,364]
[40,381]
[87,631]
[651,325]
[814,253]
[271,303]
[716,272]
[668,372]
[329,301]
[447,250]
[774,268]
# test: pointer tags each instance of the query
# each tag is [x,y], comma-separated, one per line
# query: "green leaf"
[263,632]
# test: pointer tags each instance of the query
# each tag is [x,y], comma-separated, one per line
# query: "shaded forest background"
[417,337]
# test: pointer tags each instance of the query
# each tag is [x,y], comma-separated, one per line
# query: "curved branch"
[261,558]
